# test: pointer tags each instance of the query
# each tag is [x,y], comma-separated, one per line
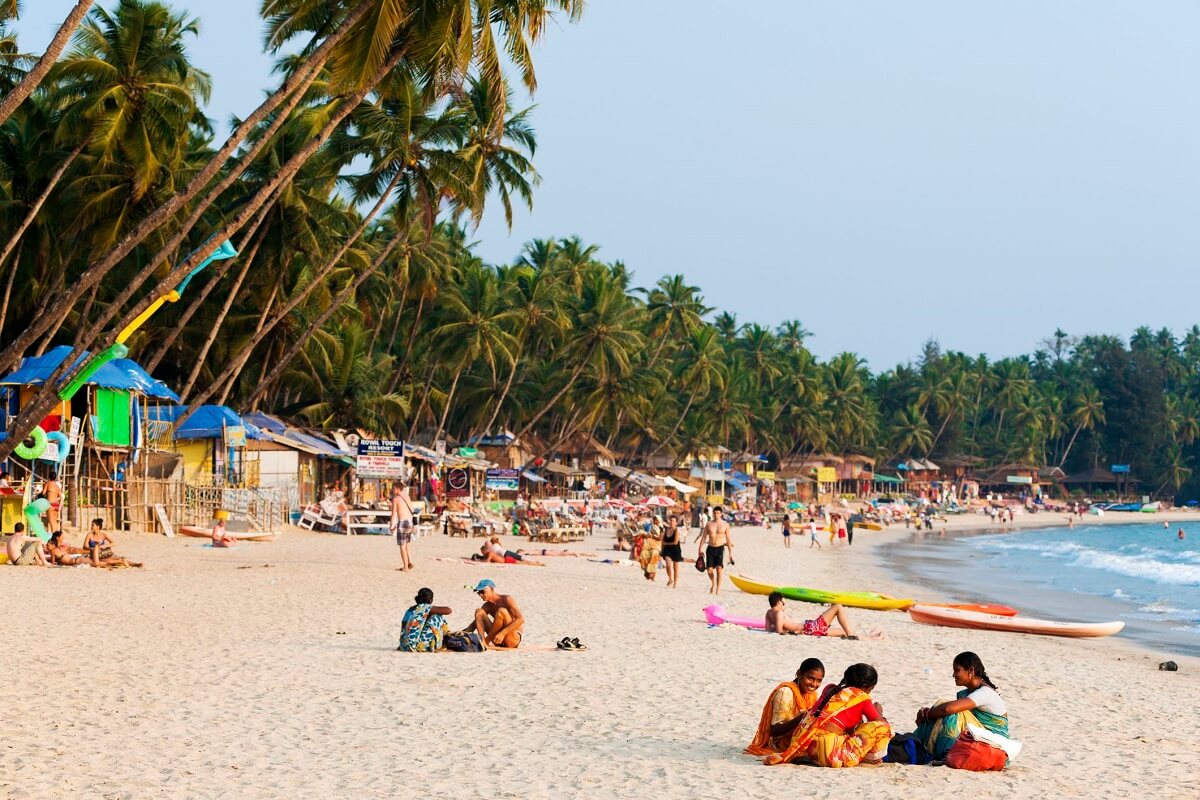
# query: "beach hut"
[106,427]
[299,461]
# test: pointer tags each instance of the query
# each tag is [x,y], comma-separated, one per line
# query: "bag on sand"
[905,748]
[463,642]
[975,756]
[700,565]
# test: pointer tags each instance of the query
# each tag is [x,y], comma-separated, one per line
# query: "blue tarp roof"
[120,373]
[529,476]
[209,422]
[285,434]
[741,477]
[736,484]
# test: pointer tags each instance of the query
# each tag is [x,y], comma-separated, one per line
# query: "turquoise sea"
[1140,573]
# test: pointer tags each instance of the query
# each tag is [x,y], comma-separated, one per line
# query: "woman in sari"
[651,551]
[786,709]
[978,703]
[424,625]
[844,729]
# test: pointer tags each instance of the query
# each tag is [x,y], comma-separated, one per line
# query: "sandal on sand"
[576,645]
[853,638]
[565,644]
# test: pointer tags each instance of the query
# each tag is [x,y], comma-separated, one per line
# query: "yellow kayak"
[868,600]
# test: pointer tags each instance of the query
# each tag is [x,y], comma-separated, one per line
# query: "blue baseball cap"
[486,583]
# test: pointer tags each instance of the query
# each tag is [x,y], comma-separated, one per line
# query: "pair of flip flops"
[570,644]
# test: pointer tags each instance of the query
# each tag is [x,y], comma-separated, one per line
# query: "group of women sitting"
[842,726]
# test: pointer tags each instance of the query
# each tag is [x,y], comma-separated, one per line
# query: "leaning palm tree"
[13,99]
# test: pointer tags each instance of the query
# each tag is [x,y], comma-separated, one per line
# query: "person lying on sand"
[494,553]
[64,555]
[786,708]
[778,621]
[499,620]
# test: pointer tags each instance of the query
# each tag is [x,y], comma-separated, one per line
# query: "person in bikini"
[778,622]
[98,544]
[716,536]
[499,621]
[64,555]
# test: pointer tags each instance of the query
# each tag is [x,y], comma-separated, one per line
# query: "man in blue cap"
[499,620]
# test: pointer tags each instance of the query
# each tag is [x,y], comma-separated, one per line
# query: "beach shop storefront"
[100,436]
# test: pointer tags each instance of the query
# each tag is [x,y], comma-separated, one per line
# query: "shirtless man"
[716,534]
[24,550]
[778,622]
[402,524]
[499,620]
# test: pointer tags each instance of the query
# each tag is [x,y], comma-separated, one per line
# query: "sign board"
[76,426]
[458,482]
[826,475]
[235,436]
[790,484]
[766,475]
[163,521]
[1022,479]
[1119,468]
[440,447]
[503,480]
[50,453]
[381,458]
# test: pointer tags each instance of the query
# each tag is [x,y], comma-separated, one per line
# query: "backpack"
[463,642]
[905,748]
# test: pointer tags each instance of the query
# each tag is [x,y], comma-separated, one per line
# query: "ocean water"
[1139,573]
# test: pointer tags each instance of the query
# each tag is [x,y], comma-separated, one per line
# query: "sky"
[978,173]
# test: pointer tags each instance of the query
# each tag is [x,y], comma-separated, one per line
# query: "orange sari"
[763,743]
[832,749]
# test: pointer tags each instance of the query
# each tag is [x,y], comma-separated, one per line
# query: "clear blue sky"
[885,172]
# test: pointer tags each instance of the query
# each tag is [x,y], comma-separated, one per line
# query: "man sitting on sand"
[778,621]
[25,550]
[499,620]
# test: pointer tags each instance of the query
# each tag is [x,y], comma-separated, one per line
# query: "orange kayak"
[981,608]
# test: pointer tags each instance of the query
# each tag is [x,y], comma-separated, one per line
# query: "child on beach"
[812,533]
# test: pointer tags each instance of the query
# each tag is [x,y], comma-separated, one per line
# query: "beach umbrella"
[1192,503]
[617,502]
[794,506]
[658,501]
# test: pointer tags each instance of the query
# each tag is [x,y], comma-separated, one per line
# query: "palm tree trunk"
[236,372]
[8,285]
[940,431]
[412,430]
[412,337]
[1070,444]
[575,373]
[678,425]
[12,101]
[187,315]
[399,317]
[31,215]
[294,87]
[278,367]
[487,429]
[216,328]
[450,399]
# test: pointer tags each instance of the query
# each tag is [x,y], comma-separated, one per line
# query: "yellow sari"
[830,749]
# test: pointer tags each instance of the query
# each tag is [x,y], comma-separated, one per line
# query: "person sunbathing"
[494,553]
[63,554]
[779,622]
[787,708]
[221,537]
[499,621]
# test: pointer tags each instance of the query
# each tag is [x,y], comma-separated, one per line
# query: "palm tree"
[1086,413]
[676,310]
[16,96]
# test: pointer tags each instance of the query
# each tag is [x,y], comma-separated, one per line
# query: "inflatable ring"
[33,518]
[32,446]
[64,445]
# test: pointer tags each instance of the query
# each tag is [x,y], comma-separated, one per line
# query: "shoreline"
[890,561]
[215,662]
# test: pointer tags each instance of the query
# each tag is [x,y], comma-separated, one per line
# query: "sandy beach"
[269,670]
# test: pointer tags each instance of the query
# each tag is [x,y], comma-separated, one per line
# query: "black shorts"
[672,552]
[714,557]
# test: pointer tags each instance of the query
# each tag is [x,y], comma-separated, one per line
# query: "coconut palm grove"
[356,300]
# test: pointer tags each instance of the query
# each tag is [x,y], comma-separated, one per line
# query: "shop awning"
[885,479]
[530,476]
[209,422]
[708,474]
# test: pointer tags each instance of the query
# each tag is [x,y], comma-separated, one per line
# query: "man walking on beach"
[499,620]
[716,535]
[402,524]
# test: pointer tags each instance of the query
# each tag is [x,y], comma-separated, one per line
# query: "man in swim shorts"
[716,536]
[402,524]
[24,550]
[778,622]
[499,620]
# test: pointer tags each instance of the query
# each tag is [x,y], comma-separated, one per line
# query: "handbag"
[700,565]
[463,642]
[968,754]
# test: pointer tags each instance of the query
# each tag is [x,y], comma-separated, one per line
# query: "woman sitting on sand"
[786,709]
[845,727]
[978,703]
[424,625]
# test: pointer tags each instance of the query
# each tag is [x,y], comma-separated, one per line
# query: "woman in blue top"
[424,625]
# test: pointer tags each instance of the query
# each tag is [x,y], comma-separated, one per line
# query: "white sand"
[194,678]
